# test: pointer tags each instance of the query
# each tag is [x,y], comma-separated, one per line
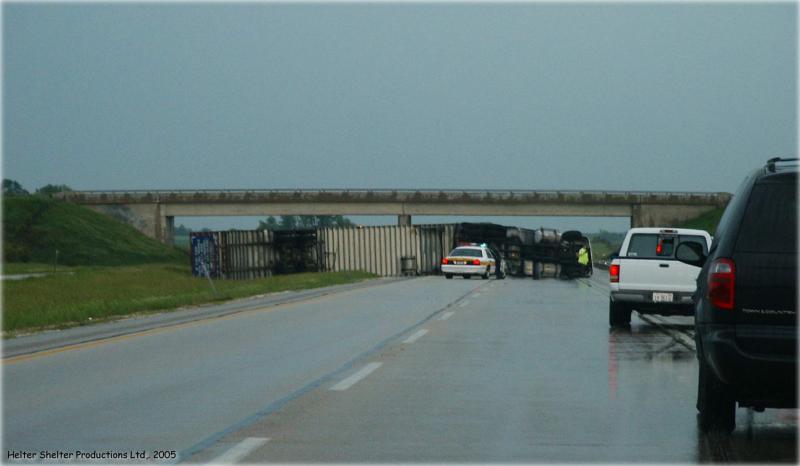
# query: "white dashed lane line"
[355,378]
[416,336]
[464,303]
[240,450]
[446,315]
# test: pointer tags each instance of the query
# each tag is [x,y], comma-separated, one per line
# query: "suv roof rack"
[771,163]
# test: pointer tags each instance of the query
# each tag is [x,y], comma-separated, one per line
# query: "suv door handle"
[663,265]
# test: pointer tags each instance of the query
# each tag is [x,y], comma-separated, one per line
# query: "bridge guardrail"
[367,195]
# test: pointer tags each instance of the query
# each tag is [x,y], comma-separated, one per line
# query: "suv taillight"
[613,271]
[721,282]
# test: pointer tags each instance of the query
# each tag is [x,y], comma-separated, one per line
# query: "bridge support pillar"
[404,220]
[168,236]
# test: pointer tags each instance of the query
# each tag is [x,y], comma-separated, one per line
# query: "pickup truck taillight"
[613,271]
[721,281]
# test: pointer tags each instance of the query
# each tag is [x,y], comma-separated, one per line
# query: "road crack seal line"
[681,338]
[278,404]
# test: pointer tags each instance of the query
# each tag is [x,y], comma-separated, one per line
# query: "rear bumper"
[758,379]
[464,269]
[642,300]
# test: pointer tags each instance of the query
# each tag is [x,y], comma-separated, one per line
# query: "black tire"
[485,275]
[715,402]
[619,315]
[448,276]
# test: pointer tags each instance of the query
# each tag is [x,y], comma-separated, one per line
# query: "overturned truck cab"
[540,253]
[566,255]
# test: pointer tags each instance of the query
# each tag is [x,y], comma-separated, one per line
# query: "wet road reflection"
[769,436]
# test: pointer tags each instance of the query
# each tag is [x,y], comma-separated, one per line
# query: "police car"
[468,261]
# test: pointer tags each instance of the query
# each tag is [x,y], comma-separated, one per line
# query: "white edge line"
[447,315]
[355,378]
[240,450]
[416,336]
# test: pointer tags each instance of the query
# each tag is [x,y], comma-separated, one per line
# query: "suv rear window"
[465,252]
[655,246]
[769,224]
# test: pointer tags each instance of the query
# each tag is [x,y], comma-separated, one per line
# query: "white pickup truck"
[647,277]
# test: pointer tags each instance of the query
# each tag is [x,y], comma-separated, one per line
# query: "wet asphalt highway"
[424,370]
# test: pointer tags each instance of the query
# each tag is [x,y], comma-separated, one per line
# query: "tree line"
[14,188]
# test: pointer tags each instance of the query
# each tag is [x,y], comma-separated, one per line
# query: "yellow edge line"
[168,328]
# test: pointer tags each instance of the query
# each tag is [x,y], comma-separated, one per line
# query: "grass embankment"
[92,294]
[707,221]
[35,227]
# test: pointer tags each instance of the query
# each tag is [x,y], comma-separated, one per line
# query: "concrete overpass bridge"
[153,212]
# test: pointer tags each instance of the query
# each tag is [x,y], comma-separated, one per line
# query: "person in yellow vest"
[583,257]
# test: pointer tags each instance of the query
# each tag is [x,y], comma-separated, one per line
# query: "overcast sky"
[625,96]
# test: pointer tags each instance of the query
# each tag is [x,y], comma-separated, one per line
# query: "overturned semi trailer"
[382,250]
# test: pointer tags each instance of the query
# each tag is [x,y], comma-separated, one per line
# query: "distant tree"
[288,222]
[13,188]
[294,222]
[341,221]
[50,189]
[308,221]
[183,230]
[270,224]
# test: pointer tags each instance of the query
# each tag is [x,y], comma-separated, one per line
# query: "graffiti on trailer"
[204,255]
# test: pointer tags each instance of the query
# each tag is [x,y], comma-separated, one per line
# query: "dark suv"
[746,300]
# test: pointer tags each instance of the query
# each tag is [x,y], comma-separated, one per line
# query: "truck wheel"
[448,276]
[619,315]
[715,402]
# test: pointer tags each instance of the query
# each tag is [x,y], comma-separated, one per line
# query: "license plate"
[662,297]
[459,262]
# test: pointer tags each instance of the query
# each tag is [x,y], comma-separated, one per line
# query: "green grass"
[35,227]
[182,242]
[707,221]
[12,268]
[93,294]
[601,250]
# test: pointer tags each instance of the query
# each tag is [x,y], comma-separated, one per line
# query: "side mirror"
[691,253]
